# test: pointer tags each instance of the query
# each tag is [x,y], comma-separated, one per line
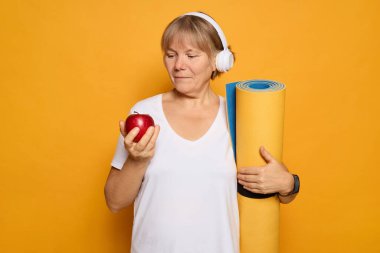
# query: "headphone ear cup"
[224,60]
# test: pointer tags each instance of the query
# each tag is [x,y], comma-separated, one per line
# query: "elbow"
[113,205]
[113,209]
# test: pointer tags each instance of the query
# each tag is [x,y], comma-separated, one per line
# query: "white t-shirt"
[187,202]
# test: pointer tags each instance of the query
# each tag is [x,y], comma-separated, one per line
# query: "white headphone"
[224,59]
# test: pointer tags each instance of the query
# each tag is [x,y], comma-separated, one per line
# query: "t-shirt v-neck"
[201,138]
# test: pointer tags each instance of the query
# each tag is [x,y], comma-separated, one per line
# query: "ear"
[213,63]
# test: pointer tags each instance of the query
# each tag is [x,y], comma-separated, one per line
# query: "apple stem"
[135,112]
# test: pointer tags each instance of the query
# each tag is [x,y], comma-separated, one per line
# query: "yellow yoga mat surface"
[256,117]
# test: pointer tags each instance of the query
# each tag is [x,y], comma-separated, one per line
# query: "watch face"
[296,184]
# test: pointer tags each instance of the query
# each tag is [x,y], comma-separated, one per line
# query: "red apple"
[142,121]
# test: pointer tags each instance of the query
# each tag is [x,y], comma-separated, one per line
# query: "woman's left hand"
[271,178]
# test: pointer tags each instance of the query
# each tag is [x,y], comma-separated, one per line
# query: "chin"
[184,90]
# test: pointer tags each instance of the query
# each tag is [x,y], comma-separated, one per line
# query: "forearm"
[123,185]
[287,194]
[287,199]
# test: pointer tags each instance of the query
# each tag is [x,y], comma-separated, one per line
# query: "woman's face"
[189,67]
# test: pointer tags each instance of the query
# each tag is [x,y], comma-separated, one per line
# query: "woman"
[181,175]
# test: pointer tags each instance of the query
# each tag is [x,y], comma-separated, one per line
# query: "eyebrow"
[187,51]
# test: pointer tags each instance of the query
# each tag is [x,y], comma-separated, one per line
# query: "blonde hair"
[196,30]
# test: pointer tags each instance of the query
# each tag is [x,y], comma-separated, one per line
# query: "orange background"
[70,70]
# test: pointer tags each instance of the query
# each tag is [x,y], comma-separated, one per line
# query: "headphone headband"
[213,23]
[224,59]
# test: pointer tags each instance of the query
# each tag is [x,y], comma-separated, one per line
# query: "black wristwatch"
[296,187]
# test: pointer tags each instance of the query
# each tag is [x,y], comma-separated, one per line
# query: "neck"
[203,98]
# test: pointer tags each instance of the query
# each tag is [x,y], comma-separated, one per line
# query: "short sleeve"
[120,155]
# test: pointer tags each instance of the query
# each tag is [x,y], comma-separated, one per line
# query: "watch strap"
[296,186]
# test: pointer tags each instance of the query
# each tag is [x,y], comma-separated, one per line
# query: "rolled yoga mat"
[256,117]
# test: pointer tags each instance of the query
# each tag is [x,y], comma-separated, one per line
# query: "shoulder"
[223,106]
[222,101]
[147,105]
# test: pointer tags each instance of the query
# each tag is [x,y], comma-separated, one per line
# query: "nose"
[179,63]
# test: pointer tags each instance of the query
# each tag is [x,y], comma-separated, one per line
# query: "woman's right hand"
[144,149]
